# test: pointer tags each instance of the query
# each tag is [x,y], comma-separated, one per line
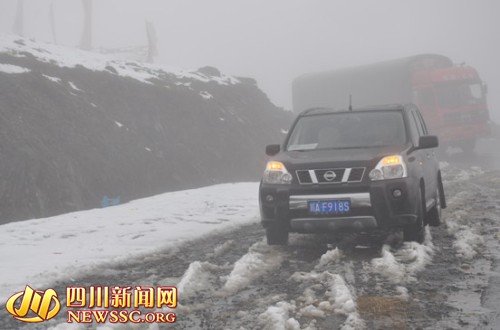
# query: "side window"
[420,129]
[422,122]
[413,128]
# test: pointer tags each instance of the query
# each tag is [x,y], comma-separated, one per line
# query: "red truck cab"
[453,103]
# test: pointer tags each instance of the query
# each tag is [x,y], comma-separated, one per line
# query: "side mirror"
[272,149]
[428,142]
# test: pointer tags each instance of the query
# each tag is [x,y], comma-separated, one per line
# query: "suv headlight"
[276,173]
[389,167]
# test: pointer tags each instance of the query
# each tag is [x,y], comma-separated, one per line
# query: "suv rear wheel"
[276,235]
[415,232]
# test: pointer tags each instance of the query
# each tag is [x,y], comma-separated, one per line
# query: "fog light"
[397,193]
[269,198]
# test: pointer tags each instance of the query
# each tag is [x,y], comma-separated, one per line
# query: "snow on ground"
[223,248]
[72,85]
[206,95]
[260,259]
[401,265]
[12,69]
[40,251]
[71,57]
[330,256]
[197,278]
[277,317]
[458,221]
[339,298]
[54,79]
[459,224]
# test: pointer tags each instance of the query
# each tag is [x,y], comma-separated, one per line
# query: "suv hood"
[330,158]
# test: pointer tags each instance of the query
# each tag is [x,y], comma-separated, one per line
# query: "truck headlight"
[389,167]
[276,173]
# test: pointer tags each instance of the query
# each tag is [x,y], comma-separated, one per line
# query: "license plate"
[329,207]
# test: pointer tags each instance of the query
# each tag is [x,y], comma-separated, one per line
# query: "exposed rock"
[70,135]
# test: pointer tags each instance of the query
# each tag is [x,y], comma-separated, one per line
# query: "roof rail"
[316,110]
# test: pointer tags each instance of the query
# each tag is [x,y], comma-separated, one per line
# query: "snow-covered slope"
[71,58]
[37,252]
[78,126]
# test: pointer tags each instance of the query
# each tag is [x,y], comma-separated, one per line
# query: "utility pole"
[86,42]
[19,22]
[152,42]
[52,22]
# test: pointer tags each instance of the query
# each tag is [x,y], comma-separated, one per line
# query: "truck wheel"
[415,232]
[434,215]
[276,235]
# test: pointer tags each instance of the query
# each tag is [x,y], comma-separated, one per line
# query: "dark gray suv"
[357,170]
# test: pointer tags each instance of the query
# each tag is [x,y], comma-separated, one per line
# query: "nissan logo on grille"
[329,175]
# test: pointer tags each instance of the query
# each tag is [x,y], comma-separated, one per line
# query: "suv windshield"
[457,94]
[348,130]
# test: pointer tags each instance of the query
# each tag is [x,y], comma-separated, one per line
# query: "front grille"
[330,176]
[356,174]
[304,177]
[320,174]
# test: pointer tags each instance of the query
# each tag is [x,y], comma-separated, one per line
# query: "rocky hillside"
[76,127]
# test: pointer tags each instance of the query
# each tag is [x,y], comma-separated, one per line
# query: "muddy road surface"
[233,280]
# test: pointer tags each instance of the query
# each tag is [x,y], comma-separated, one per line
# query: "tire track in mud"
[233,279]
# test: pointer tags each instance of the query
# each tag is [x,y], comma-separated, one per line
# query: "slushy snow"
[40,251]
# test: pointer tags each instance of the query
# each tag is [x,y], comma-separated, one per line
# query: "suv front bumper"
[372,206]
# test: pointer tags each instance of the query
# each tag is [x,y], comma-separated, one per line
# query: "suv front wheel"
[416,232]
[276,235]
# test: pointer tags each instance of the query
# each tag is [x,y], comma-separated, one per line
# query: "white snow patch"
[403,293]
[71,57]
[277,317]
[284,131]
[198,277]
[459,224]
[221,119]
[312,311]
[67,245]
[402,265]
[185,84]
[53,79]
[388,266]
[118,124]
[206,95]
[223,248]
[260,259]
[340,299]
[72,85]
[12,69]
[148,149]
[329,257]
[93,105]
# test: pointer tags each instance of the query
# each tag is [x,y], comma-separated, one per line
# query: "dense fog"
[275,41]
